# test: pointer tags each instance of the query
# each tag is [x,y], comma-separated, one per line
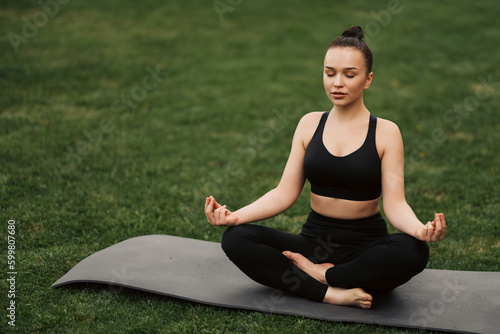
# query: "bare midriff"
[342,208]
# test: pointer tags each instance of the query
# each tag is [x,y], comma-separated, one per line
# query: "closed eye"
[349,76]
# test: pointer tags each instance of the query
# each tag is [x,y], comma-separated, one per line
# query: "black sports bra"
[356,176]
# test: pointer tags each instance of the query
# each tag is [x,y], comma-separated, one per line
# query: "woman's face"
[345,77]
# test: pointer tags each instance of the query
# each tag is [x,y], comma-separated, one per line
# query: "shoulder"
[388,137]
[307,126]
[309,121]
[311,118]
[387,129]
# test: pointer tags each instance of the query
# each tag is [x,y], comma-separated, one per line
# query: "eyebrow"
[347,68]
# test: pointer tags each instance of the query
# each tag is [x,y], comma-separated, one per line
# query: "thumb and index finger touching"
[211,204]
[436,228]
[215,212]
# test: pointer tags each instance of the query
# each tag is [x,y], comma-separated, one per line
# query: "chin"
[340,103]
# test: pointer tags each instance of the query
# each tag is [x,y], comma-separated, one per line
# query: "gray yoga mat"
[199,271]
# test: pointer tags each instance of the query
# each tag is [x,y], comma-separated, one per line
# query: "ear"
[369,80]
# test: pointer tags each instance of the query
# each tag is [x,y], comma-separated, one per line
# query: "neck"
[351,111]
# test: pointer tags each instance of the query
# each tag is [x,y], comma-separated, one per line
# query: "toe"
[366,305]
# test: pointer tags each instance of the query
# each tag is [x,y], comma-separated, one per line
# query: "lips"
[338,94]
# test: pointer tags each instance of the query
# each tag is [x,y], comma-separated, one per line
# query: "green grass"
[211,127]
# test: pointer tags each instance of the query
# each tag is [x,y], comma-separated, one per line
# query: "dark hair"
[353,38]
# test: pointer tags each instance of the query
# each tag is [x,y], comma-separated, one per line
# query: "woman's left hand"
[433,230]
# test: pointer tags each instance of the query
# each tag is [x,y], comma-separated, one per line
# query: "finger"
[220,213]
[443,226]
[433,223]
[215,219]
[210,207]
[441,215]
[224,213]
[439,225]
[220,208]
[433,233]
[216,204]
[426,230]
[208,211]
[219,218]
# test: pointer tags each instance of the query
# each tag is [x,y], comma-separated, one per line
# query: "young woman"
[344,253]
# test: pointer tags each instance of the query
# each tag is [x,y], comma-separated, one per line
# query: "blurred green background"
[118,118]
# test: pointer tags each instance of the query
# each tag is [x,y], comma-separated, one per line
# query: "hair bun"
[354,31]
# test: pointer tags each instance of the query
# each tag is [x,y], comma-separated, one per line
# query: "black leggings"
[370,259]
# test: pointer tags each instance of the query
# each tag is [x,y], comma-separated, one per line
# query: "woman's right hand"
[219,215]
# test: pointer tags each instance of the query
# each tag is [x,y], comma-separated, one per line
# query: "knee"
[418,253]
[231,238]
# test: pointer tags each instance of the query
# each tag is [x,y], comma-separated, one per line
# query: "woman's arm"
[397,210]
[278,199]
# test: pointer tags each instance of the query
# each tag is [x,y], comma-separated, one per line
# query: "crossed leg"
[356,297]
[279,260]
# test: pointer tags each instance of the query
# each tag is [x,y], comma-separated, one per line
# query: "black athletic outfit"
[364,254]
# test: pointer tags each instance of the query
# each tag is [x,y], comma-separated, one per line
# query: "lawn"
[118,118]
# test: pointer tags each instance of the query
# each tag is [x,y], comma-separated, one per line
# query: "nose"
[337,81]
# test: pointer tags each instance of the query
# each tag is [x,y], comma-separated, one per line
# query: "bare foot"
[350,297]
[316,271]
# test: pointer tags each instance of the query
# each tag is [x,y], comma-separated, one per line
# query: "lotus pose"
[343,254]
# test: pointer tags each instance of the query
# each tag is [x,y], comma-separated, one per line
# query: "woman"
[344,253]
